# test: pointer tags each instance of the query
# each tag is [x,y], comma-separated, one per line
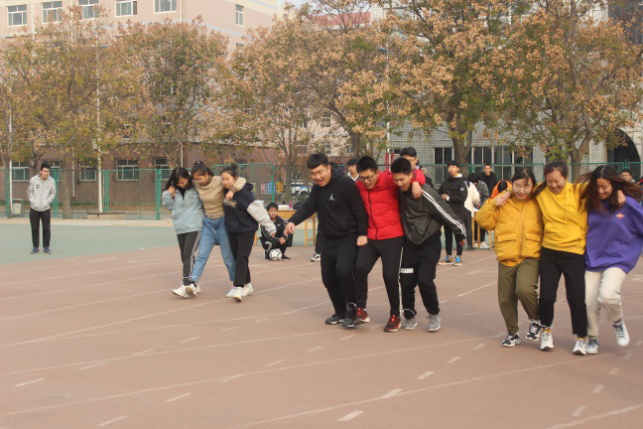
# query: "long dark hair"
[177,173]
[231,170]
[200,168]
[550,167]
[590,194]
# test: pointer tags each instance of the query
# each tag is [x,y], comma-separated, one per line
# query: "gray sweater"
[41,193]
[187,211]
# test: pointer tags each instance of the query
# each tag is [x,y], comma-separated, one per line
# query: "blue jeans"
[213,232]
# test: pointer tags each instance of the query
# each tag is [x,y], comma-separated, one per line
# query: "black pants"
[390,251]
[449,236]
[467,227]
[418,268]
[35,218]
[268,245]
[553,263]
[241,246]
[319,242]
[188,243]
[337,266]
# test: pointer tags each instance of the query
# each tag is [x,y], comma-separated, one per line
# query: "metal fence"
[136,193]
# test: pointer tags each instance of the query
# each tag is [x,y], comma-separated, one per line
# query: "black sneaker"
[511,340]
[534,331]
[285,257]
[349,321]
[335,319]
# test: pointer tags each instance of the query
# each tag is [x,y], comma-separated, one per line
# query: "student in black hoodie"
[243,214]
[343,223]
[454,192]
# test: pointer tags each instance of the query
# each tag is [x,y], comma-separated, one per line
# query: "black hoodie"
[456,189]
[339,208]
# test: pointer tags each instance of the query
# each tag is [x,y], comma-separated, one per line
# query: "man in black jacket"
[489,177]
[454,192]
[343,224]
[422,219]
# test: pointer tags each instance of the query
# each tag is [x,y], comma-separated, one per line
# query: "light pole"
[99,163]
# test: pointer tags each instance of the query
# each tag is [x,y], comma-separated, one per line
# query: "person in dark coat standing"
[454,192]
[489,177]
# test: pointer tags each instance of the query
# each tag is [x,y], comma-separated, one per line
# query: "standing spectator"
[280,241]
[483,191]
[454,192]
[489,177]
[41,193]
[351,166]
[471,204]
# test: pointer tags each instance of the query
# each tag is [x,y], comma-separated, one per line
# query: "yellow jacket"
[518,228]
[564,218]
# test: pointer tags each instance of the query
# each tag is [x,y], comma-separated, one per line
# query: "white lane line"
[262,320]
[229,329]
[425,375]
[176,398]
[597,417]
[628,355]
[443,301]
[187,340]
[26,383]
[234,377]
[109,422]
[142,352]
[476,289]
[598,389]
[314,349]
[614,370]
[277,362]
[391,394]
[102,259]
[350,416]
[91,366]
[479,346]
[578,411]
[454,359]
[347,337]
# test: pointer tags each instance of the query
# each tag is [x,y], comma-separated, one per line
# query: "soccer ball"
[275,255]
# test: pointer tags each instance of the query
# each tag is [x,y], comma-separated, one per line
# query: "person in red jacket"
[385,237]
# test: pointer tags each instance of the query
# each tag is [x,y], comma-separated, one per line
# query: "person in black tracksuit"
[280,240]
[342,222]
[454,192]
[422,219]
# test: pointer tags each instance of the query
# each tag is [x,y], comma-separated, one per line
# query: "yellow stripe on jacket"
[565,219]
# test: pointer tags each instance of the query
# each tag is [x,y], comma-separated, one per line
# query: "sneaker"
[511,340]
[434,322]
[361,316]
[547,340]
[284,257]
[622,337]
[458,261]
[446,261]
[580,348]
[393,324]
[180,291]
[410,324]
[471,248]
[47,250]
[534,331]
[192,289]
[484,246]
[238,294]
[231,292]
[349,320]
[335,319]
[592,346]
[247,290]
[35,250]
[316,257]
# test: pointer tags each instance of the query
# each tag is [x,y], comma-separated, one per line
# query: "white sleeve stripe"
[441,210]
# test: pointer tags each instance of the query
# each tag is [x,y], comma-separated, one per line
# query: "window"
[239,15]
[163,167]
[443,155]
[164,6]
[88,8]
[88,174]
[126,8]
[51,11]
[127,170]
[17,15]
[325,121]
[20,172]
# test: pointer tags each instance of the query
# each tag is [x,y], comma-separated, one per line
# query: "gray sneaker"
[434,322]
[580,348]
[622,337]
[592,346]
[409,324]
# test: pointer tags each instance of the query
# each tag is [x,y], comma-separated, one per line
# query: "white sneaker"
[622,337]
[580,348]
[238,294]
[231,292]
[247,290]
[192,289]
[547,340]
[592,346]
[409,324]
[484,245]
[180,291]
[434,323]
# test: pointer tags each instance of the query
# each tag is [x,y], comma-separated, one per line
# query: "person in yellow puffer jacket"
[516,218]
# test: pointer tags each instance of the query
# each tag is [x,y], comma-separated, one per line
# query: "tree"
[568,80]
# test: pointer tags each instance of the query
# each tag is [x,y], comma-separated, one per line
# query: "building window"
[88,8]
[162,166]
[443,155]
[20,172]
[164,6]
[88,174]
[17,15]
[325,121]
[126,8]
[51,11]
[239,15]
[127,170]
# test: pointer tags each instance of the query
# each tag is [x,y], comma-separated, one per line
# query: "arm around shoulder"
[486,216]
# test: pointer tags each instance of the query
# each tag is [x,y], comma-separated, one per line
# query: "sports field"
[92,337]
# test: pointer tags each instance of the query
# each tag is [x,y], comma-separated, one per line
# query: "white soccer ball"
[275,255]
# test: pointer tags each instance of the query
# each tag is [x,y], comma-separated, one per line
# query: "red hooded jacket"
[382,205]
